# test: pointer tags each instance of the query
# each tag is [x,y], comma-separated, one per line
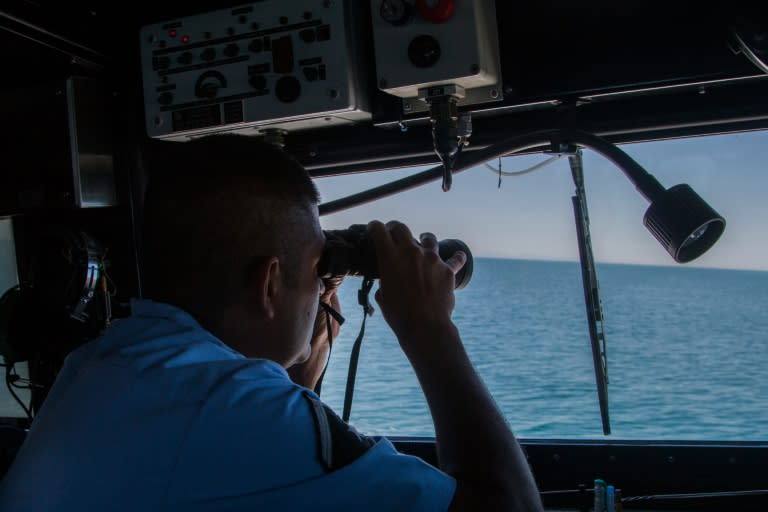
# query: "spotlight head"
[683,223]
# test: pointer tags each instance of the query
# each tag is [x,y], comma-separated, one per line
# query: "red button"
[436,11]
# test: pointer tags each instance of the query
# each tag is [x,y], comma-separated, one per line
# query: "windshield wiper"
[591,290]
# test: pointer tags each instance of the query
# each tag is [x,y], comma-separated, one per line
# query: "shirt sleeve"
[380,480]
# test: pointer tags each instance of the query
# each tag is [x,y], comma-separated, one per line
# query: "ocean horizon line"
[621,263]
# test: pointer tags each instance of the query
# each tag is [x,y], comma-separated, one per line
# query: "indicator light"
[185,39]
[172,33]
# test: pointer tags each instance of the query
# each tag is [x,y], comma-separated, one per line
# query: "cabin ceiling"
[634,70]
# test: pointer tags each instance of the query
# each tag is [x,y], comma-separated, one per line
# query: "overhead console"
[266,65]
[346,77]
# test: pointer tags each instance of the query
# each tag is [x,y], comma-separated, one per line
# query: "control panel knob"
[162,62]
[185,58]
[288,89]
[258,82]
[424,51]
[256,46]
[208,54]
[396,12]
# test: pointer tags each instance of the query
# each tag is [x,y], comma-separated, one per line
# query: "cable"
[529,170]
[468,161]
[9,383]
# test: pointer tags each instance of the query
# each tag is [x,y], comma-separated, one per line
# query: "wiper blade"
[591,290]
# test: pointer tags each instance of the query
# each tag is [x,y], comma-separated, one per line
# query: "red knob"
[436,11]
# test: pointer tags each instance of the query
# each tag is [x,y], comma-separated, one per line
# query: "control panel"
[421,44]
[266,65]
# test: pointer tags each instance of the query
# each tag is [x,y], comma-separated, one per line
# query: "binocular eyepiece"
[351,252]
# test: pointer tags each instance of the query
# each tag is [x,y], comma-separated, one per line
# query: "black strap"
[329,313]
[363,300]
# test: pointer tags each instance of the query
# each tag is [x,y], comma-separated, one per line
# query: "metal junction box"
[58,150]
[270,64]
[426,43]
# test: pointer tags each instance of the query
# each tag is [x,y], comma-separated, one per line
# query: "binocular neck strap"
[363,298]
[329,313]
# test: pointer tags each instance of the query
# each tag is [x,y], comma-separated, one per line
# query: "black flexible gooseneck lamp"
[683,223]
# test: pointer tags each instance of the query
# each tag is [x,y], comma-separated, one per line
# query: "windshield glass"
[686,344]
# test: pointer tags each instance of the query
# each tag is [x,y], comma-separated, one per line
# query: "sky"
[531,216]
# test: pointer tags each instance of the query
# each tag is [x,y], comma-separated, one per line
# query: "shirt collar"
[151,309]
[145,308]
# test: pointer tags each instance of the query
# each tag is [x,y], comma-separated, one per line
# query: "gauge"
[396,12]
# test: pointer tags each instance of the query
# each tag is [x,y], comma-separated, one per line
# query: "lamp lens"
[695,236]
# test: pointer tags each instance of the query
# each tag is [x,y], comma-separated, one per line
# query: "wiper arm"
[591,290]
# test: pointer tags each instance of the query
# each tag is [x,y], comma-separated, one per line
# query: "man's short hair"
[214,207]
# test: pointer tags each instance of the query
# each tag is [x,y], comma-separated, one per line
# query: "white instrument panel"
[426,43]
[269,64]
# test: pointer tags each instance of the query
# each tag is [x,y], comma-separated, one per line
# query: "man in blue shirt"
[201,399]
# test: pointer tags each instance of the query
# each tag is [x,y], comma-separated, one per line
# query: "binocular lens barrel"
[351,252]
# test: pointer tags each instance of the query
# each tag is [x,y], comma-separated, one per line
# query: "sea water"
[687,353]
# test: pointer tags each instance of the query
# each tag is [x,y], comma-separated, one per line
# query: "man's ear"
[265,286]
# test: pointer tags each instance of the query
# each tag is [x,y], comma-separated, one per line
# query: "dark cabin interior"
[629,71]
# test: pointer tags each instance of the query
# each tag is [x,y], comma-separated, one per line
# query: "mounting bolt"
[494,93]
[407,106]
[158,121]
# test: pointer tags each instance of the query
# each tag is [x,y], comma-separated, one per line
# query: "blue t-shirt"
[158,414]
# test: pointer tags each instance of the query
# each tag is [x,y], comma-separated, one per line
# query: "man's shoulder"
[339,443]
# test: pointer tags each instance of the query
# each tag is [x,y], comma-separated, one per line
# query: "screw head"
[494,93]
[158,121]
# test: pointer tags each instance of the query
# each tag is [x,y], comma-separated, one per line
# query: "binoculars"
[351,252]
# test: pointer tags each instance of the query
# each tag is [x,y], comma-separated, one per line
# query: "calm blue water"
[687,353]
